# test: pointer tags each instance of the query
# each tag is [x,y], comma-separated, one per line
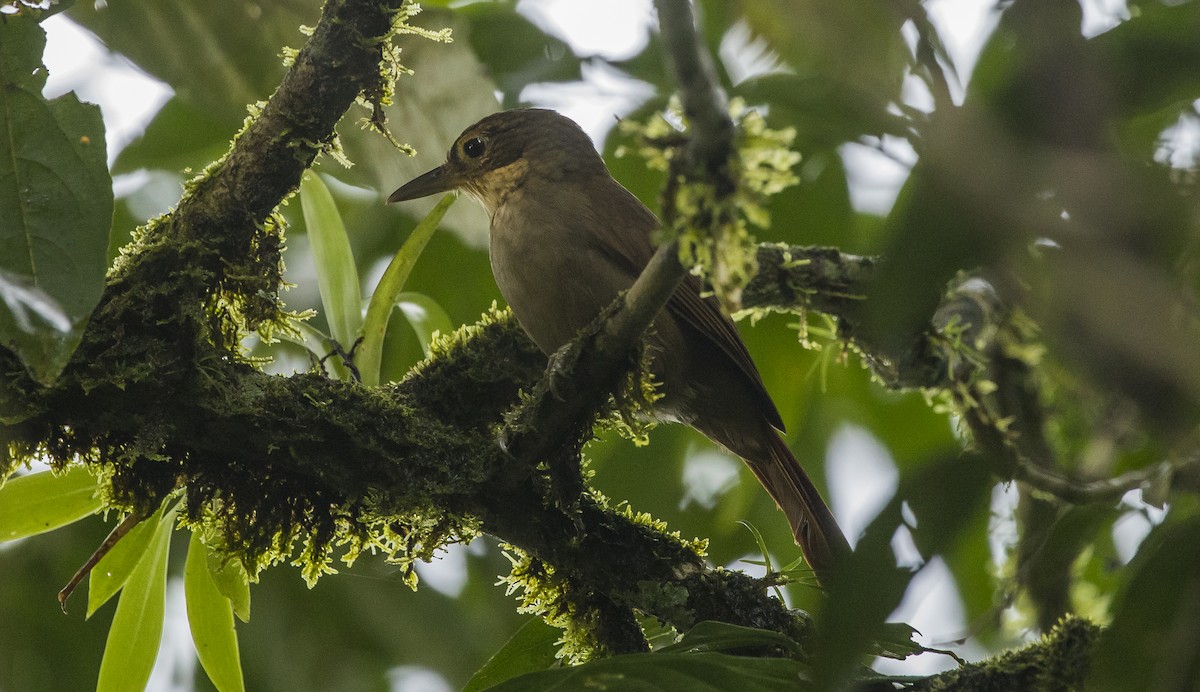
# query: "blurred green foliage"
[1054,174]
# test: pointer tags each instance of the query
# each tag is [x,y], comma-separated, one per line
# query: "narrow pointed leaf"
[136,631]
[425,316]
[337,275]
[113,570]
[233,582]
[370,352]
[44,501]
[210,617]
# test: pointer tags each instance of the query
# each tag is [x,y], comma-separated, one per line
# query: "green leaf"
[136,630]
[337,275]
[40,502]
[516,51]
[387,293]
[182,135]
[722,636]
[825,112]
[217,55]
[210,616]
[531,648]
[1151,644]
[56,206]
[426,317]
[702,672]
[113,570]
[943,495]
[898,641]
[229,574]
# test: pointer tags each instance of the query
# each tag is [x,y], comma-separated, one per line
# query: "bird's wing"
[630,246]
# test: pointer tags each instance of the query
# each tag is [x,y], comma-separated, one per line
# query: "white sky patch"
[932,606]
[447,573]
[416,679]
[615,29]
[1131,528]
[707,475]
[604,95]
[876,174]
[128,97]
[963,26]
[1002,524]
[746,56]
[1101,15]
[862,478]
[175,668]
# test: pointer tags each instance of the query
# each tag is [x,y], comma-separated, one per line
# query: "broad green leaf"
[56,206]
[722,636]
[943,496]
[113,570]
[210,616]
[516,51]
[136,630]
[1151,644]
[826,113]
[531,648]
[702,672]
[182,135]
[337,274]
[387,292]
[898,641]
[40,502]
[426,317]
[231,580]
[217,55]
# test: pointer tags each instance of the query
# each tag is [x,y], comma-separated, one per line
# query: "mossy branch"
[159,396]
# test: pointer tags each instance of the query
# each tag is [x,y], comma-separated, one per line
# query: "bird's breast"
[550,268]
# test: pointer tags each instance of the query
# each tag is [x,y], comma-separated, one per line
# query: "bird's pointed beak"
[438,180]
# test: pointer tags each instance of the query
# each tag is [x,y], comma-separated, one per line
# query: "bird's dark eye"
[473,147]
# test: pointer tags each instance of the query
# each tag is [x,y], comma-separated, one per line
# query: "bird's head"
[503,152]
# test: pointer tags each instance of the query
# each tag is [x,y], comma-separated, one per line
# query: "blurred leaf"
[39,502]
[531,648]
[210,616]
[817,211]
[516,52]
[654,672]
[942,495]
[337,274]
[856,44]
[1154,57]
[648,65]
[721,636]
[113,570]
[1155,632]
[897,641]
[56,206]
[387,293]
[1047,571]
[425,316]
[218,55]
[30,307]
[136,630]
[826,113]
[182,135]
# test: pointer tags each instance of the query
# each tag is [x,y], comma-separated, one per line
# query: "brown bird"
[566,238]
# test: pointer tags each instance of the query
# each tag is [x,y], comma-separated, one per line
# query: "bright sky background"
[861,472]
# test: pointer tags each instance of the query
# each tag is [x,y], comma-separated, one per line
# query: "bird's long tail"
[813,525]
